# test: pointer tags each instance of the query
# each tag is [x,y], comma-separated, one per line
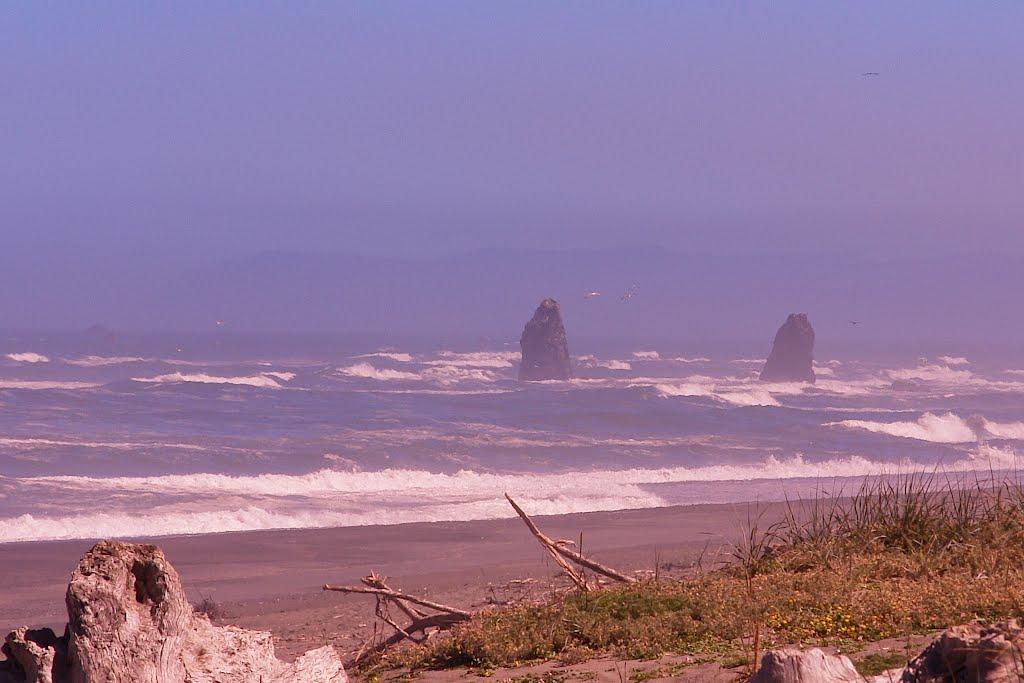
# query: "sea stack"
[792,356]
[544,347]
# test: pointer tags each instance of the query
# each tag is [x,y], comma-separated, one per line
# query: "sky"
[156,136]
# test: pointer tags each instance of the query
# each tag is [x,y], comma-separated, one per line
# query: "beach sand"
[271,580]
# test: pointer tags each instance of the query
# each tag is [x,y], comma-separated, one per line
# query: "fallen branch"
[395,595]
[421,622]
[559,551]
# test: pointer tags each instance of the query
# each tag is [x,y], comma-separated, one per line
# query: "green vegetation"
[901,556]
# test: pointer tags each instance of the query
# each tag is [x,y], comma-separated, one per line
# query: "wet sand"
[272,579]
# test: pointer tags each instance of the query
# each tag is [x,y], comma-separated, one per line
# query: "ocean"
[107,437]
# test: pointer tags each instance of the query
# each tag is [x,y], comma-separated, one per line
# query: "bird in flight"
[592,295]
[869,74]
[855,322]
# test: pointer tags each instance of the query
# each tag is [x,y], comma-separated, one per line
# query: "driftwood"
[793,665]
[420,622]
[423,624]
[558,551]
[129,622]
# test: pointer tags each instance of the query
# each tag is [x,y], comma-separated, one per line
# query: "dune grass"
[900,556]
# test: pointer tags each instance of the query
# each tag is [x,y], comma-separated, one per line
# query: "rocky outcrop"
[792,356]
[129,622]
[545,351]
[793,665]
[978,652]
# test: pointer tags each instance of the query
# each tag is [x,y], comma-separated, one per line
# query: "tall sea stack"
[792,356]
[544,347]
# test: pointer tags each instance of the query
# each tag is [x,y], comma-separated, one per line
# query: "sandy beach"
[272,579]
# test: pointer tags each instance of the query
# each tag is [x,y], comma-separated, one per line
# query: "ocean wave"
[27,357]
[477,359]
[646,355]
[709,387]
[945,428]
[595,362]
[100,361]
[44,384]
[264,380]
[954,360]
[338,498]
[441,374]
[368,371]
[697,359]
[37,442]
[397,357]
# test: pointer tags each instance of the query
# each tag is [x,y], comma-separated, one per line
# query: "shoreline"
[271,579]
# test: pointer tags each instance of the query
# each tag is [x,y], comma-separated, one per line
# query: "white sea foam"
[477,359]
[33,442]
[28,357]
[368,371]
[646,355]
[100,361]
[264,380]
[945,428]
[44,384]
[954,360]
[334,498]
[590,361]
[397,357]
[698,359]
[738,394]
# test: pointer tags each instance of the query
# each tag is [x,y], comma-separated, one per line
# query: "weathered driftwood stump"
[792,665]
[978,652]
[129,622]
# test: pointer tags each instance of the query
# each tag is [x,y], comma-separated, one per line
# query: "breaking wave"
[335,498]
[264,380]
[397,357]
[100,361]
[28,357]
[945,428]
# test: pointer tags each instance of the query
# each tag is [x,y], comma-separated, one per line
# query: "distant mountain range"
[644,293]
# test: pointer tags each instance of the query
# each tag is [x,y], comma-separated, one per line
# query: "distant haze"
[419,168]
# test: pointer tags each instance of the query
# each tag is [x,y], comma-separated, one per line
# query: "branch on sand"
[560,553]
[422,622]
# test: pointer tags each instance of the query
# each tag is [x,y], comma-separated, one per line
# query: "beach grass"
[903,555]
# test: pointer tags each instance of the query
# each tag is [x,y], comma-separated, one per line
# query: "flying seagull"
[855,322]
[869,74]
[592,295]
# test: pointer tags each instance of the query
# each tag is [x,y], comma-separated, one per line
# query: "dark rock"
[544,347]
[792,356]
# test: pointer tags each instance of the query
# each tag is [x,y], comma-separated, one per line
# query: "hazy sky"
[204,130]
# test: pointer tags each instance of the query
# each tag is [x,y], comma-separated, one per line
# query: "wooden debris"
[422,623]
[559,550]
